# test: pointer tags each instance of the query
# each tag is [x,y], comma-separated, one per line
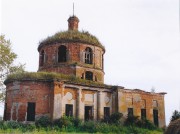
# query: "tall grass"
[72,125]
[49,76]
[72,36]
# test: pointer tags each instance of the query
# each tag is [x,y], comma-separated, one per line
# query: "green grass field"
[50,131]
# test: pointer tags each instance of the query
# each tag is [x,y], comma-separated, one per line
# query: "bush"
[106,128]
[28,127]
[43,121]
[115,118]
[175,115]
[143,123]
[89,126]
[64,122]
[131,120]
[13,124]
[77,122]
[147,124]
[1,124]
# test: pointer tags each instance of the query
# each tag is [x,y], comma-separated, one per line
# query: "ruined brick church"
[70,81]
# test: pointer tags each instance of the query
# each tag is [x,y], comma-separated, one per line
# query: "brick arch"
[62,53]
[42,57]
[88,55]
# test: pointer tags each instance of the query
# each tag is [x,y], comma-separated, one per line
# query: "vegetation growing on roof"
[72,36]
[53,76]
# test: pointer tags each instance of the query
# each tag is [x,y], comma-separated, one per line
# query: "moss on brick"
[53,76]
[72,36]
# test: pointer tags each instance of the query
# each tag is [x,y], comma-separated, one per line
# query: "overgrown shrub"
[175,115]
[1,124]
[106,128]
[77,122]
[88,126]
[131,120]
[115,118]
[43,121]
[12,124]
[64,121]
[144,123]
[28,127]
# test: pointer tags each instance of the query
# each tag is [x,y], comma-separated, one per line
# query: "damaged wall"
[18,94]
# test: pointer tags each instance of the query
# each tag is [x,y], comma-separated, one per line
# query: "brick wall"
[75,60]
[20,93]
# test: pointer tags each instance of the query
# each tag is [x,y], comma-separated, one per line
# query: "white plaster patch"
[137,98]
[69,96]
[16,85]
[106,99]
[89,97]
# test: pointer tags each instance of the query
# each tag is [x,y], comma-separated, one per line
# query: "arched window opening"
[88,55]
[62,51]
[42,58]
[89,75]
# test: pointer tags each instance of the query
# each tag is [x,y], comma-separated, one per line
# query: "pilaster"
[99,106]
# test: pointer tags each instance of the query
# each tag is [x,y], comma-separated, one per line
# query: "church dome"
[72,36]
[73,52]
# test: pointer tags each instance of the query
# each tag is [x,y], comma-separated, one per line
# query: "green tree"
[7,58]
[175,116]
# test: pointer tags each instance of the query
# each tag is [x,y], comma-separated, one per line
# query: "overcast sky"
[141,38]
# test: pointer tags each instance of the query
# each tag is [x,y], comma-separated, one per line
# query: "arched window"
[89,75]
[62,51]
[88,55]
[42,58]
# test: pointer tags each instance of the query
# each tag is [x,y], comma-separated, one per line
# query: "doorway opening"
[31,111]
[69,110]
[143,113]
[155,116]
[130,112]
[88,113]
[106,113]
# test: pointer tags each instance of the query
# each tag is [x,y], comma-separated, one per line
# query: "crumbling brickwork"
[74,64]
[29,98]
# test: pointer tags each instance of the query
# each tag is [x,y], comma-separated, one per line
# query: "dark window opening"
[155,116]
[88,55]
[42,58]
[31,111]
[89,75]
[130,112]
[88,113]
[69,110]
[106,113]
[143,113]
[62,54]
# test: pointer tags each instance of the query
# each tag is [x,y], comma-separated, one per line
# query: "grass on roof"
[72,36]
[52,76]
